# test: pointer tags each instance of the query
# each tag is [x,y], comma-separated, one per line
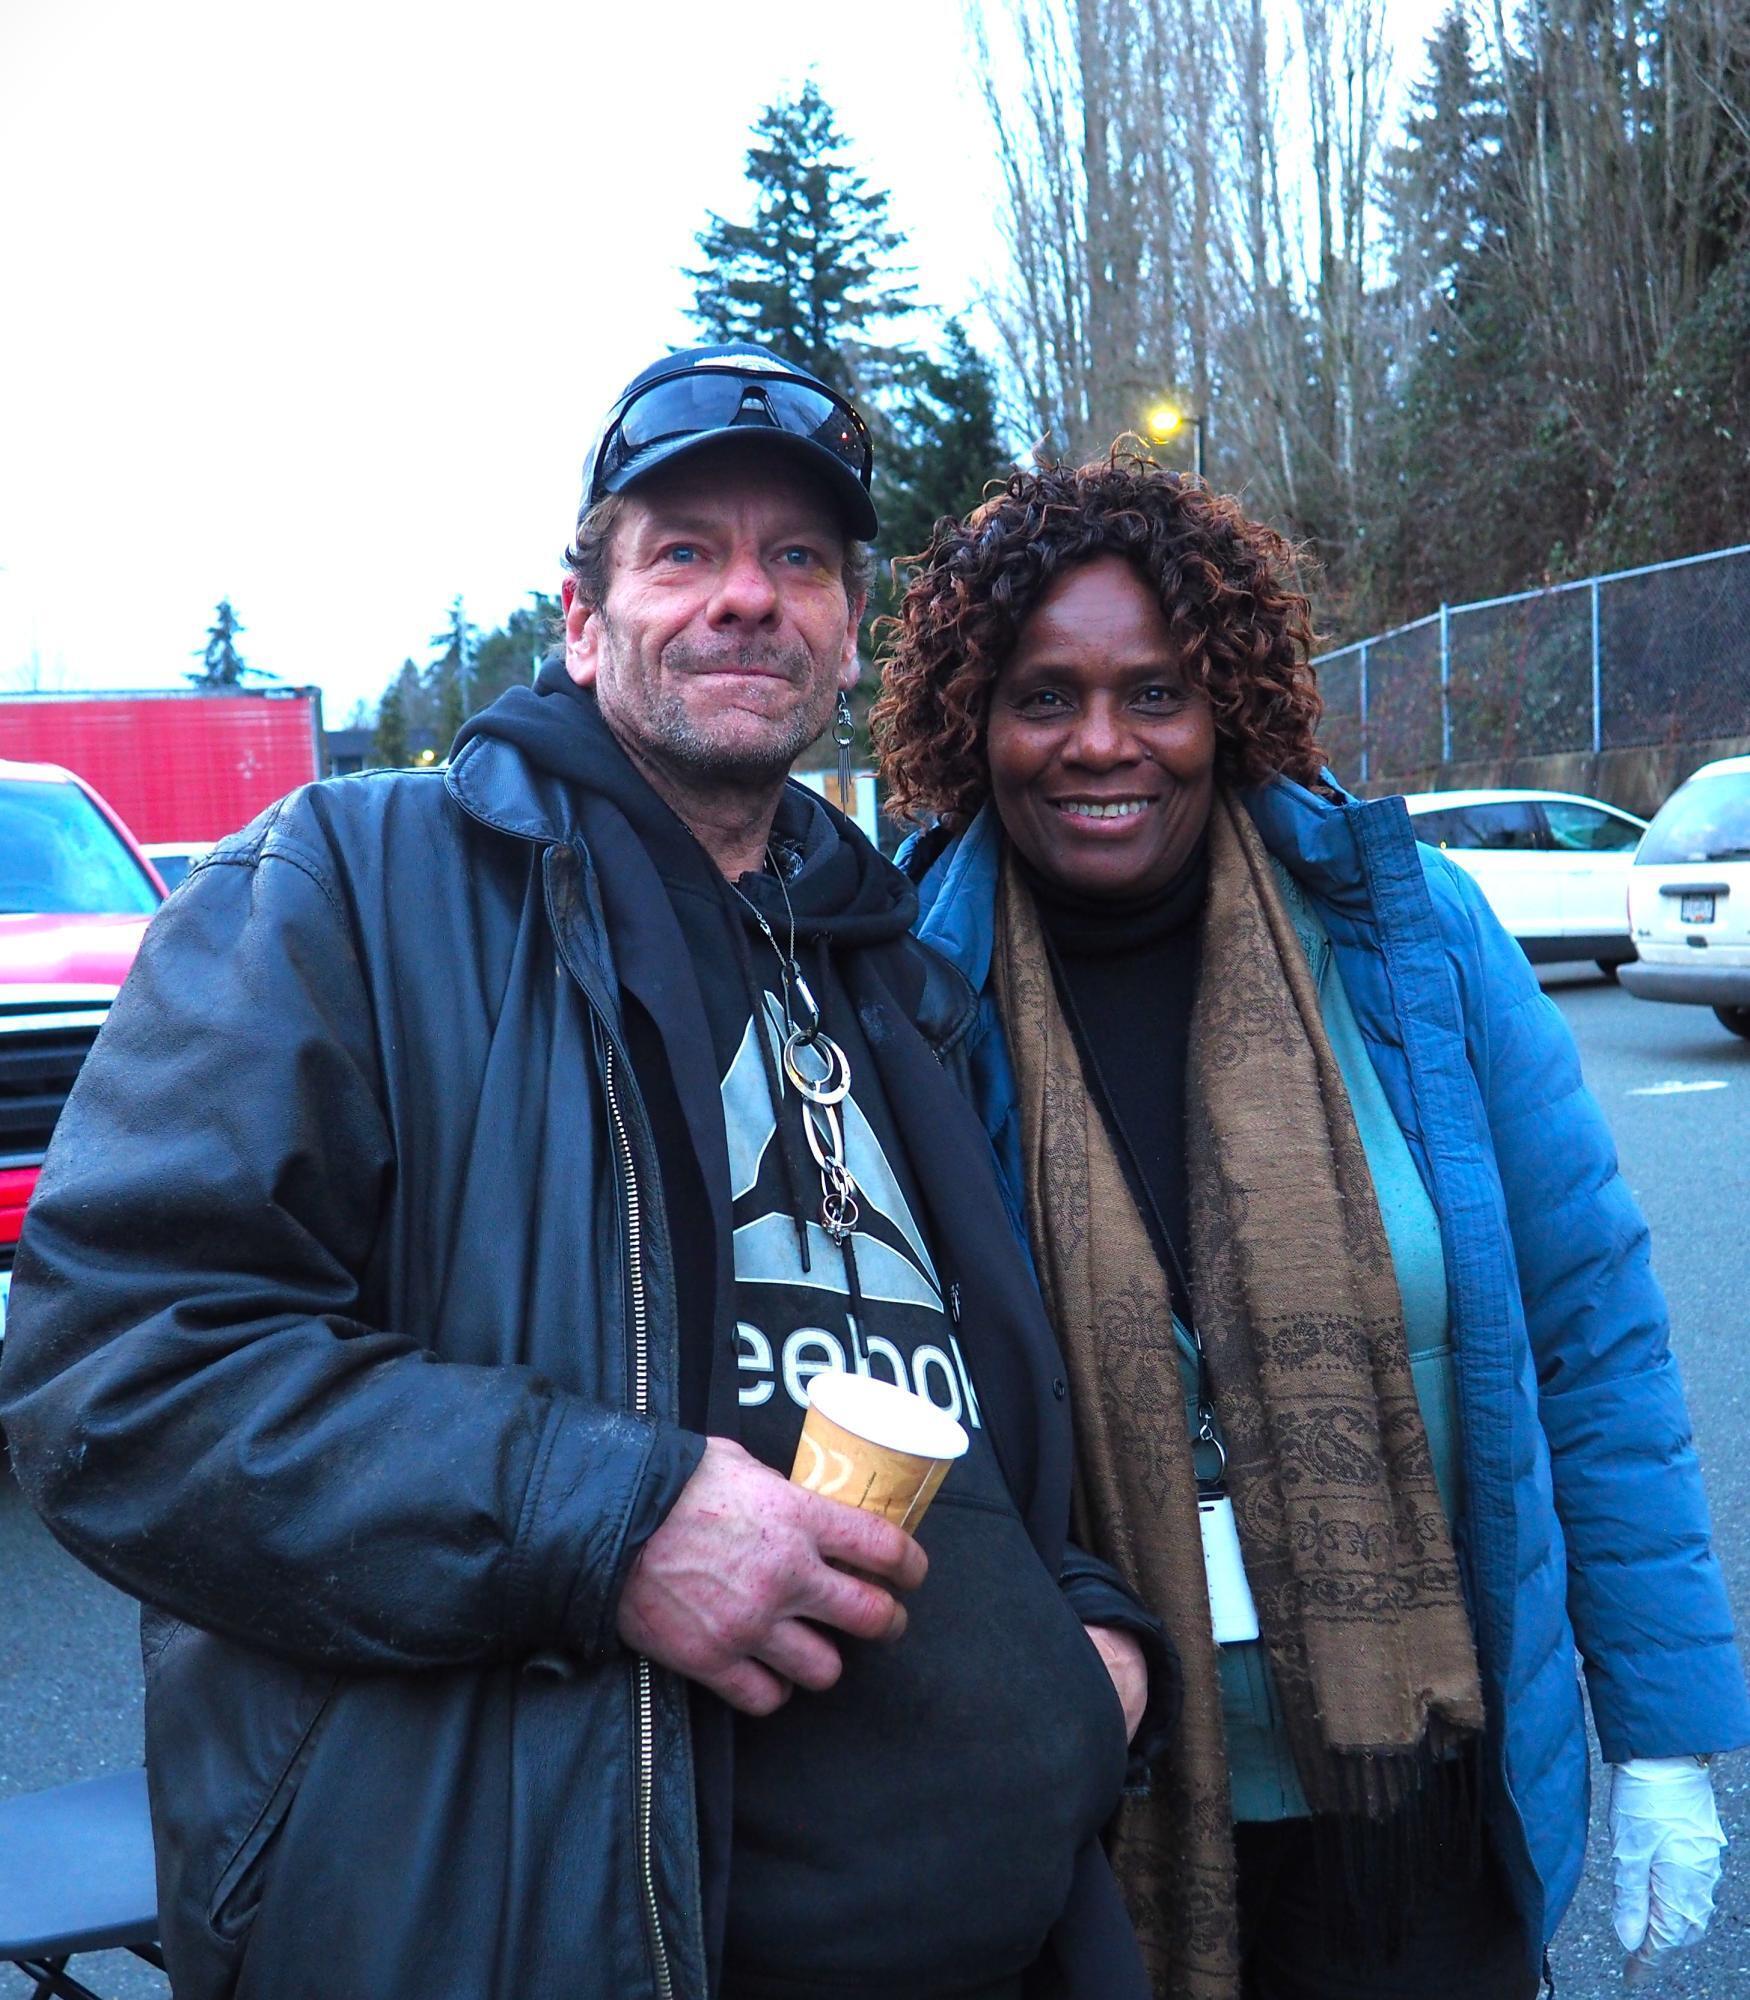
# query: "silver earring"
[844,731]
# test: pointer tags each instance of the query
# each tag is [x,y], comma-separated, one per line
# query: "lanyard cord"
[816,1067]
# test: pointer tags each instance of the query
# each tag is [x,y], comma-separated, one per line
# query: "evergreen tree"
[1478,473]
[1682,481]
[447,678]
[1557,217]
[420,712]
[222,665]
[509,654]
[813,278]
[397,716]
[1439,186]
[812,275]
[942,444]
[1482,474]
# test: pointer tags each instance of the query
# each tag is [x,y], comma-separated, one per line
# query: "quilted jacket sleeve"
[192,1399]
[1645,1594]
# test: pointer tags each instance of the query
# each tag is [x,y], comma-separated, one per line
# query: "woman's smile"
[1102,813]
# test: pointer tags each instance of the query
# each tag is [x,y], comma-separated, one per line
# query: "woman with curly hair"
[1372,1392]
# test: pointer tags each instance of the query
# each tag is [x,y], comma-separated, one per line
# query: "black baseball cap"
[693,398]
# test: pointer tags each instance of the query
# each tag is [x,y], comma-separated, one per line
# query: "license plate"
[1697,910]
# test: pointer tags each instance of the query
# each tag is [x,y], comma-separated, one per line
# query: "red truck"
[76,894]
[83,780]
[183,764]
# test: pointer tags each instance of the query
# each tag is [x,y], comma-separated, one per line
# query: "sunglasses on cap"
[698,399]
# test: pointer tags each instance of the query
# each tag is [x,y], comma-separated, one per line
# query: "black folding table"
[76,1876]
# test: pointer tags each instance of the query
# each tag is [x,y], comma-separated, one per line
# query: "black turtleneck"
[1126,974]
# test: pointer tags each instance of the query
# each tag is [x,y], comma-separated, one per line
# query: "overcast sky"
[316,308]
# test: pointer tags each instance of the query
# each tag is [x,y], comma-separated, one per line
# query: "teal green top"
[1260,1765]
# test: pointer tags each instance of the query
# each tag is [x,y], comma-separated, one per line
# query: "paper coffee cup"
[875,1446]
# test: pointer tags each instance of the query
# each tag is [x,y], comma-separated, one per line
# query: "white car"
[174,858]
[1554,866]
[1689,897]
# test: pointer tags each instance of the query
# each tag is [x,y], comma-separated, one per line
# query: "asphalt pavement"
[1676,1089]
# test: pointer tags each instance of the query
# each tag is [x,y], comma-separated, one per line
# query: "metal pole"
[1597,679]
[1446,683]
[1366,754]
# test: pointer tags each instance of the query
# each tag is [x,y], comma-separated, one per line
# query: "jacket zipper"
[646,1693]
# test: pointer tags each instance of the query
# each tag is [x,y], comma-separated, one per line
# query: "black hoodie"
[914,1829]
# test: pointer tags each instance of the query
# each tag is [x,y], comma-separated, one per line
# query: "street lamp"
[1167,420]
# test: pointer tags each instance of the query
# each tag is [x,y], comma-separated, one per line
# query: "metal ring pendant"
[839,1212]
[833,1083]
[826,1138]
[826,1141]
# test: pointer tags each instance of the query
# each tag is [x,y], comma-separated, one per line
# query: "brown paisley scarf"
[1346,1543]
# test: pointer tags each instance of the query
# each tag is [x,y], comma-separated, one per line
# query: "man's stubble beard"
[666,732]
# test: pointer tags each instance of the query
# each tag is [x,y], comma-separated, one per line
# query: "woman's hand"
[1665,1845]
[1129,1670]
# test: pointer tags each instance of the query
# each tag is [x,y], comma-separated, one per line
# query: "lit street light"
[1167,420]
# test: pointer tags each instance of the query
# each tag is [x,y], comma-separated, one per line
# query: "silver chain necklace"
[818,1070]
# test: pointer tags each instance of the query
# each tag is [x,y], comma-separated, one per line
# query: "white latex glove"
[1665,1846]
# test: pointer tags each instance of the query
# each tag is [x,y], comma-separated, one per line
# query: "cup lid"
[887,1415]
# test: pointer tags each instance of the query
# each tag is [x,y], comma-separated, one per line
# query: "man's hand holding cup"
[734,1586]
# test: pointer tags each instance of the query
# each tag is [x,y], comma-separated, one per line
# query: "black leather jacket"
[343,1335]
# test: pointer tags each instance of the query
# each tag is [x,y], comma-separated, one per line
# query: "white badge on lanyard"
[1231,1609]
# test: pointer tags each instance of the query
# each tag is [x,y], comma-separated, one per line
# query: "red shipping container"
[178,764]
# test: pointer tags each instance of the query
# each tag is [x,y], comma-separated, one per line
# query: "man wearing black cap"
[419,1303]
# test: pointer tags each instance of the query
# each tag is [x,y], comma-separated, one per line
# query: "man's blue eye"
[800,557]
[682,552]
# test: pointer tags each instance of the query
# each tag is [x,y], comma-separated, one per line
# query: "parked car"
[174,858]
[1689,897]
[76,894]
[1554,866]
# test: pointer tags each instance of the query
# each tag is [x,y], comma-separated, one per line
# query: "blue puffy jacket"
[1583,1520]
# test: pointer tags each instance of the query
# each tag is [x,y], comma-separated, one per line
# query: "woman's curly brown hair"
[1227,586]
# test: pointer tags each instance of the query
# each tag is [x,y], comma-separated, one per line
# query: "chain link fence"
[1658,655]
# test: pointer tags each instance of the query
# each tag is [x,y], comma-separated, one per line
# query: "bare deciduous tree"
[1201,196]
[1104,130]
[1160,240]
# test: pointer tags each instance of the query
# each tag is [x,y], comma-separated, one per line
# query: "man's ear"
[850,667]
[582,635]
